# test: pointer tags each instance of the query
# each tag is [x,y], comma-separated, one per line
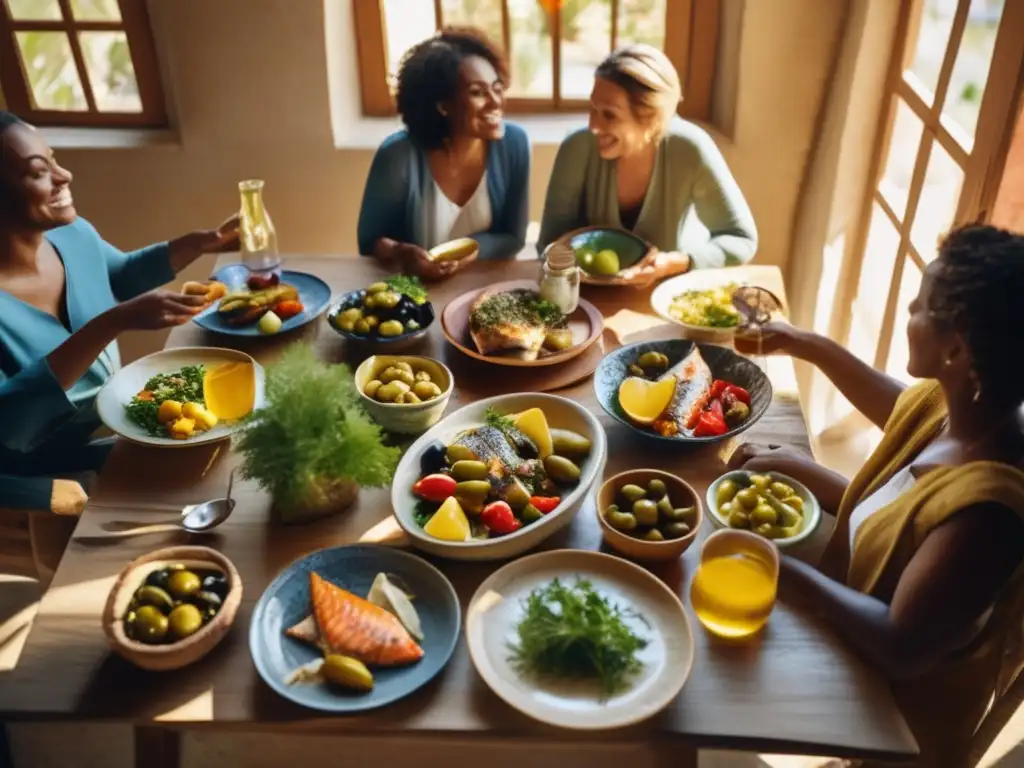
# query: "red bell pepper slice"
[739,393]
[709,425]
[718,387]
[545,504]
[716,408]
[499,518]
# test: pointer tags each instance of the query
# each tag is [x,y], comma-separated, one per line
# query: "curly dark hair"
[977,289]
[429,75]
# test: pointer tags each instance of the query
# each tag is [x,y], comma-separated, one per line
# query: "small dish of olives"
[380,317]
[770,504]
[648,515]
[171,607]
[405,394]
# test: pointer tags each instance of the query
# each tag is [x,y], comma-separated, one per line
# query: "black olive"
[434,458]
[207,601]
[216,583]
[159,578]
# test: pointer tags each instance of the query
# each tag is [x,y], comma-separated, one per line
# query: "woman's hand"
[827,486]
[654,266]
[418,261]
[155,310]
[774,338]
[188,248]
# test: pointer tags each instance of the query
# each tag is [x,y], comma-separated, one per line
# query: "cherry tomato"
[498,517]
[435,488]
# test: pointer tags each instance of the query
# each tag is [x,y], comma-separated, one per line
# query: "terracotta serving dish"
[681,494]
[184,652]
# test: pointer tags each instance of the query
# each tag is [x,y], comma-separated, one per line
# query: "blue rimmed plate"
[314,294]
[286,602]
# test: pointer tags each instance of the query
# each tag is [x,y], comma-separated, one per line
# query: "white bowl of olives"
[768,503]
[405,394]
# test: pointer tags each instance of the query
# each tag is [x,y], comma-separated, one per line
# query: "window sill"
[110,138]
[543,130]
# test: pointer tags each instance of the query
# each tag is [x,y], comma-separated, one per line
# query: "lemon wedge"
[643,400]
[230,390]
[534,424]
[449,523]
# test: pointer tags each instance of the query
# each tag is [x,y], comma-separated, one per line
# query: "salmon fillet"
[512,331]
[692,394]
[352,626]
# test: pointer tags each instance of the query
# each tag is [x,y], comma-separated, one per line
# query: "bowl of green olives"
[648,515]
[171,607]
[380,318]
[405,394]
[768,503]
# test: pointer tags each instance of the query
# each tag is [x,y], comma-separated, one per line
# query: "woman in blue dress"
[65,296]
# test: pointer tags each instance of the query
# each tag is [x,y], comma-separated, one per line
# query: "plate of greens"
[160,399]
[580,640]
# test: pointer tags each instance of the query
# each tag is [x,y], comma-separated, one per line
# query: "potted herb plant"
[311,445]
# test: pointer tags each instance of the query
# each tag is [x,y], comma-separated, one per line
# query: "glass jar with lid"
[560,278]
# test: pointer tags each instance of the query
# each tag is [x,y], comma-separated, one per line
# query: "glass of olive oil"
[734,588]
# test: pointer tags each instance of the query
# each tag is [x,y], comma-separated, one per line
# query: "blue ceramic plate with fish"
[286,603]
[697,366]
[313,292]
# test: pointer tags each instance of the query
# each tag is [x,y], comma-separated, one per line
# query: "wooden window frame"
[981,161]
[693,55]
[134,23]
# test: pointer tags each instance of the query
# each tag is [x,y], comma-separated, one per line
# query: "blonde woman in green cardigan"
[638,166]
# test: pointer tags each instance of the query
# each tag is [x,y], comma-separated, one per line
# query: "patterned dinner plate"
[353,568]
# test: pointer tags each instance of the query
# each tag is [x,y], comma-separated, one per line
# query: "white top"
[898,484]
[447,221]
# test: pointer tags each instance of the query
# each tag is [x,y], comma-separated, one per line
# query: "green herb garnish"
[574,632]
[515,307]
[312,433]
[409,285]
[184,386]
[423,511]
[498,420]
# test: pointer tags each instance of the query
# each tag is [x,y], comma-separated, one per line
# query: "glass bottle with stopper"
[257,236]
[560,281]
[757,307]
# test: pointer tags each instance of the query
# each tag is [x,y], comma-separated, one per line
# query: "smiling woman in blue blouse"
[65,296]
[457,170]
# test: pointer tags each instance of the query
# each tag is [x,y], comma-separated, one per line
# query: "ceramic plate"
[697,280]
[586,324]
[314,294]
[723,362]
[497,607]
[353,568]
[561,413]
[811,512]
[629,247]
[130,380]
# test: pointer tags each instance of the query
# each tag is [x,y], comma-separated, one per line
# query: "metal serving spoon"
[195,518]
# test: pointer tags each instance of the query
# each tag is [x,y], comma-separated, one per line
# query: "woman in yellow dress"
[924,573]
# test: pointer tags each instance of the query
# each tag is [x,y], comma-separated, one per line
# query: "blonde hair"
[650,80]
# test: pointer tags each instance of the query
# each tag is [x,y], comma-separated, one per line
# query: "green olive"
[208,601]
[405,366]
[780,490]
[158,598]
[530,514]
[456,452]
[427,390]
[372,321]
[652,361]
[570,444]
[182,584]
[362,327]
[391,328]
[682,515]
[423,376]
[764,514]
[376,287]
[352,313]
[632,492]
[675,530]
[726,509]
[561,469]
[656,489]
[620,521]
[408,398]
[795,502]
[370,301]
[473,489]
[390,392]
[788,517]
[747,497]
[726,491]
[765,530]
[665,509]
[653,535]
[469,470]
[739,519]
[371,388]
[646,512]
[636,370]
[149,626]
[515,493]
[761,483]
[185,620]
[558,339]
[347,325]
[391,373]
[387,300]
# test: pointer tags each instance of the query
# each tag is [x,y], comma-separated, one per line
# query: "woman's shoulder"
[77,232]
[688,140]
[514,144]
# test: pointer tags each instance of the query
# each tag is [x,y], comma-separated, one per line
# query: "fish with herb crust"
[516,321]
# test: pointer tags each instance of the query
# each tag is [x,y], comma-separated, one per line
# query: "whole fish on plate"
[343,623]
[692,394]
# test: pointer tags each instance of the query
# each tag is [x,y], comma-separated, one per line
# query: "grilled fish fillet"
[351,626]
[692,394]
[511,332]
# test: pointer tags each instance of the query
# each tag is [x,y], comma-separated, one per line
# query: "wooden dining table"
[797,687]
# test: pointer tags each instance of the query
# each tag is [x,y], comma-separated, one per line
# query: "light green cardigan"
[689,172]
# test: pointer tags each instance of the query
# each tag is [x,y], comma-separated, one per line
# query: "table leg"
[157,747]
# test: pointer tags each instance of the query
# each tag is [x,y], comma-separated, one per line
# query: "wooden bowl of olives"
[381,317]
[169,608]
[404,394]
[649,515]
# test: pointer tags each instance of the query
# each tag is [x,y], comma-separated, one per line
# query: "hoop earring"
[977,387]
[442,111]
